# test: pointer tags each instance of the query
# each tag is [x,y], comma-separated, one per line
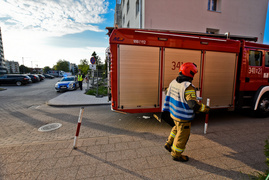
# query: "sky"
[38,33]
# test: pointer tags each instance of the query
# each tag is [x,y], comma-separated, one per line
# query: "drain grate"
[49,127]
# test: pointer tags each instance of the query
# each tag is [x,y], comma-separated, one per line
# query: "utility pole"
[23,65]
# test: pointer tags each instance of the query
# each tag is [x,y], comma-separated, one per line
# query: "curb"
[70,105]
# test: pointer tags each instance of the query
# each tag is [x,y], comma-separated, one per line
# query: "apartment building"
[73,68]
[12,67]
[238,17]
[3,69]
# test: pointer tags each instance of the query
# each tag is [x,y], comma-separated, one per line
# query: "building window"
[128,6]
[255,58]
[267,59]
[137,6]
[212,31]
[214,5]
[128,25]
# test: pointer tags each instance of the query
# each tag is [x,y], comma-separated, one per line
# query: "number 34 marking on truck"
[254,70]
[176,65]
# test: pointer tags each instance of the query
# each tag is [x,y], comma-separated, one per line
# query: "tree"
[62,65]
[46,69]
[84,66]
[24,69]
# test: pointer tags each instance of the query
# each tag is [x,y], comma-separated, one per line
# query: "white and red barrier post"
[206,116]
[78,127]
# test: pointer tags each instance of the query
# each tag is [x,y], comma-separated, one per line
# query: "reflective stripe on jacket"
[175,101]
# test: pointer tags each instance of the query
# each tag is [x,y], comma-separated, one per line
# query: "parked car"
[18,79]
[67,83]
[48,76]
[34,78]
[41,77]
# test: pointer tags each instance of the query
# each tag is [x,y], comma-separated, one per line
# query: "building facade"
[3,69]
[12,67]
[238,17]
[73,68]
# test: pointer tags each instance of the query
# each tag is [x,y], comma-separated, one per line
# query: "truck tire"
[263,106]
[18,83]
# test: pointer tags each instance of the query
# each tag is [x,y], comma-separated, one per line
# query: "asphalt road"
[23,111]
[27,96]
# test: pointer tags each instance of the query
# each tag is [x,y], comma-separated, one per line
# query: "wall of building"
[117,15]
[2,59]
[131,17]
[12,67]
[3,69]
[239,17]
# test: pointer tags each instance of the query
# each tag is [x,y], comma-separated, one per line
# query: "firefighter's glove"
[207,109]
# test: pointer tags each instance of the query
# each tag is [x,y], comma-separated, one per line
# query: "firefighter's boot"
[168,147]
[182,158]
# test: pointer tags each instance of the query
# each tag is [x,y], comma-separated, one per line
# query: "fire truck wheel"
[263,106]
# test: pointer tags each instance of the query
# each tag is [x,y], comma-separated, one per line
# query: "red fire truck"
[233,70]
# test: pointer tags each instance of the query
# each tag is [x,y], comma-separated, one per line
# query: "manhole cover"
[49,127]
[34,107]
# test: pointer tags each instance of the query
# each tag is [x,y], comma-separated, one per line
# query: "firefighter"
[181,103]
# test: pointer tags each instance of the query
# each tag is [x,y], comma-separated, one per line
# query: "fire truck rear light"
[162,39]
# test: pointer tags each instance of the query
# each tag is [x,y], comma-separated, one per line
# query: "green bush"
[102,90]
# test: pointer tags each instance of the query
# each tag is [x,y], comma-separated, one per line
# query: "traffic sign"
[92,66]
[93,60]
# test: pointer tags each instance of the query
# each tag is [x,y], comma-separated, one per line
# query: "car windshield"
[68,79]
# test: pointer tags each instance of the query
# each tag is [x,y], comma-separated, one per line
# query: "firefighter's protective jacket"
[175,101]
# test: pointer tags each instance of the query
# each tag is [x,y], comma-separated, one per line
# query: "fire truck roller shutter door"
[139,76]
[219,78]
[174,58]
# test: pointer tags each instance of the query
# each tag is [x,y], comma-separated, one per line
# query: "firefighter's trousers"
[179,137]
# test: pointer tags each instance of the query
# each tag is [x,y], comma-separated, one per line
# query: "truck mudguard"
[260,92]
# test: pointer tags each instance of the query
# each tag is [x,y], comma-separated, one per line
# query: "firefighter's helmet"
[188,69]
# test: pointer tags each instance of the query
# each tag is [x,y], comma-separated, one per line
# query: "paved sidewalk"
[77,98]
[135,156]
